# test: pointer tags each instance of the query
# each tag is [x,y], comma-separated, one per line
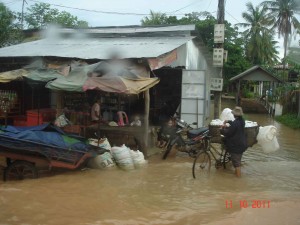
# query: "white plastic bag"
[267,139]
[226,114]
[62,121]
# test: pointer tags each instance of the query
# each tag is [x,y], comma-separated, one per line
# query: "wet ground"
[164,192]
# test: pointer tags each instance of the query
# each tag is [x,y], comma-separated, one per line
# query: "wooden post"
[146,123]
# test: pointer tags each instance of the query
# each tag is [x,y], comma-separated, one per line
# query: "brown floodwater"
[164,192]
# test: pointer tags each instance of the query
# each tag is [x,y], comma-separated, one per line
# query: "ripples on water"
[164,192]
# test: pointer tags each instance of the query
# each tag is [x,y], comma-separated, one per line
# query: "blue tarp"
[46,134]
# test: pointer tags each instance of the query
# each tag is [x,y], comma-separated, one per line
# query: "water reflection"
[164,192]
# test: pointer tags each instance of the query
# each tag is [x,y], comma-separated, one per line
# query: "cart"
[24,148]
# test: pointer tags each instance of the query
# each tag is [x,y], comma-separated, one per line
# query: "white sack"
[103,143]
[138,158]
[123,157]
[102,161]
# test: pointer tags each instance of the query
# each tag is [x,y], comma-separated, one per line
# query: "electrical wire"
[109,12]
[11,2]
[183,7]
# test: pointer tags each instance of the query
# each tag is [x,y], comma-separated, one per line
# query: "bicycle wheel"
[226,159]
[202,164]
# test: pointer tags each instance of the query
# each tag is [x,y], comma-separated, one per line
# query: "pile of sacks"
[128,159]
[123,157]
[227,115]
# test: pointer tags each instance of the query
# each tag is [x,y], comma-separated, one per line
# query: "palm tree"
[258,35]
[283,12]
[286,23]
[155,18]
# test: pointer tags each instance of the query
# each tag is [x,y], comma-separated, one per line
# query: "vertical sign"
[216,84]
[225,55]
[218,56]
[219,33]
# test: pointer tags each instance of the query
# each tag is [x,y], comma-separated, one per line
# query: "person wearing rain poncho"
[235,139]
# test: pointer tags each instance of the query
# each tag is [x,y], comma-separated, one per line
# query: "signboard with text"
[218,57]
[216,84]
[219,33]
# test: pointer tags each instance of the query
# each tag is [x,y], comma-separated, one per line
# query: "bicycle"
[202,162]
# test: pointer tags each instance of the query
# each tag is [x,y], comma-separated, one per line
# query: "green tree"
[237,62]
[260,48]
[41,14]
[286,23]
[204,21]
[283,13]
[9,32]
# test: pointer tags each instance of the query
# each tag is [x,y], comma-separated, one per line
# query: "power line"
[96,11]
[184,7]
[232,16]
[11,2]
[108,12]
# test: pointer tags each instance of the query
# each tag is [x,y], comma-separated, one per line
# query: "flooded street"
[164,192]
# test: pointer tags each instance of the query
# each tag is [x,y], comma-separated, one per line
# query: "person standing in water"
[235,139]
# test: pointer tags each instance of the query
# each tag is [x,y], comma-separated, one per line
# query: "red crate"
[38,117]
[20,121]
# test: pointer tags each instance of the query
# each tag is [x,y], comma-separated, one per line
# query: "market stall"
[79,83]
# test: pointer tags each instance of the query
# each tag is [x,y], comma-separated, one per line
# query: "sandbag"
[102,161]
[138,158]
[103,143]
[122,157]
[267,139]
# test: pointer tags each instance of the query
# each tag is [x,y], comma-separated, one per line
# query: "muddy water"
[164,192]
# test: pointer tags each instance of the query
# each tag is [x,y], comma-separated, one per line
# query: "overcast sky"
[130,12]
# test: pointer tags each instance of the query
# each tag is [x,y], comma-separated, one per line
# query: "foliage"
[156,18]
[41,14]
[236,61]
[284,19]
[289,120]
[204,22]
[260,46]
[9,32]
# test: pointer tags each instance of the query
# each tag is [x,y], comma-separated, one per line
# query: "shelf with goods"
[9,104]
[113,102]
[75,101]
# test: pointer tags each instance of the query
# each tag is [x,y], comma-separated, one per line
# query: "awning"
[12,75]
[95,77]
[116,77]
[119,84]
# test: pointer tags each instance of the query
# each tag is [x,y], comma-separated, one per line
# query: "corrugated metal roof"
[103,42]
[135,29]
[96,48]
[243,75]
